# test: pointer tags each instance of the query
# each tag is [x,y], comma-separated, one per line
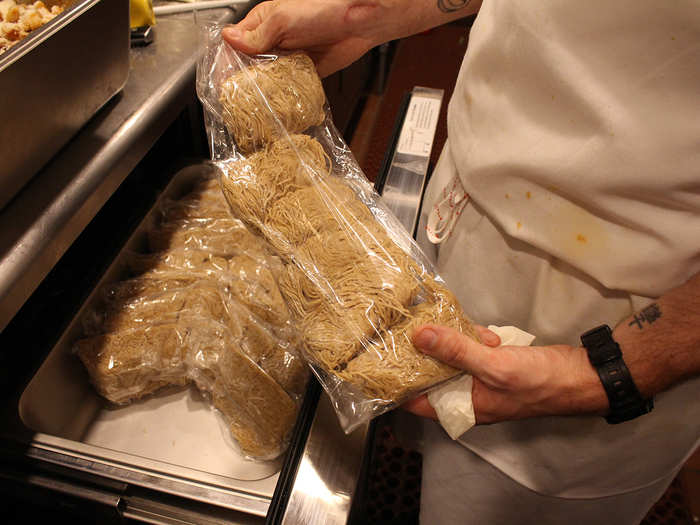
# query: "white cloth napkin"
[453,401]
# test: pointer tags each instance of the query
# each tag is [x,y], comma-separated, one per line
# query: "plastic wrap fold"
[353,279]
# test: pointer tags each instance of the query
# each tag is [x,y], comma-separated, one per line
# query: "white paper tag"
[419,126]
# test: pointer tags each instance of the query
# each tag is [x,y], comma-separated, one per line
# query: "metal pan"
[54,81]
[171,442]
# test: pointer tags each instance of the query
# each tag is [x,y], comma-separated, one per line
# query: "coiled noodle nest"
[355,293]
[349,281]
[293,94]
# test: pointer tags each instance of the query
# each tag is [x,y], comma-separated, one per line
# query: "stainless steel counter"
[326,479]
[44,219]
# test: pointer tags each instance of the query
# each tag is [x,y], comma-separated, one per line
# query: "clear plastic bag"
[354,280]
[202,308]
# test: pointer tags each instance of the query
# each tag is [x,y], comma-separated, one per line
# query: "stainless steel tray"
[172,441]
[54,81]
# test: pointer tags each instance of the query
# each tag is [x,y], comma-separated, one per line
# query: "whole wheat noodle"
[255,287]
[223,238]
[202,299]
[292,93]
[255,182]
[306,213]
[205,309]
[370,248]
[301,294]
[355,293]
[390,368]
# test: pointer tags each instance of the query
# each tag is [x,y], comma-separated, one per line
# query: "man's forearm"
[409,17]
[661,343]
[335,33]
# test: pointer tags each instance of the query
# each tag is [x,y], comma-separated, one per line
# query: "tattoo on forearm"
[647,316]
[448,6]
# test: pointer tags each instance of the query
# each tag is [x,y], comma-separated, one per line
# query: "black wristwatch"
[606,357]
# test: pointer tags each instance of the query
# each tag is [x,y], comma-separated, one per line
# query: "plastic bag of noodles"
[355,282]
[196,302]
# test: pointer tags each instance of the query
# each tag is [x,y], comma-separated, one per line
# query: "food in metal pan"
[18,19]
[201,307]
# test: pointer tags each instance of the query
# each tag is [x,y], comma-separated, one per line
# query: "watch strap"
[606,357]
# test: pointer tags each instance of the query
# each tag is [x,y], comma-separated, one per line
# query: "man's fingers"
[255,17]
[257,32]
[251,42]
[451,347]
[488,337]
[420,406]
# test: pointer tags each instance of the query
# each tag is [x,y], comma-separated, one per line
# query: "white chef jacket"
[575,129]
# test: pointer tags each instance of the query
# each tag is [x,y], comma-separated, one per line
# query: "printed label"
[419,125]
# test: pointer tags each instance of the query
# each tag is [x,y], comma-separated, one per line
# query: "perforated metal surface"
[671,509]
[393,482]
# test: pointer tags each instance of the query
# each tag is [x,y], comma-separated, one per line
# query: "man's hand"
[332,32]
[660,345]
[335,33]
[514,382]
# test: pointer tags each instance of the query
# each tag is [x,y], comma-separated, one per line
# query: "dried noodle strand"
[287,88]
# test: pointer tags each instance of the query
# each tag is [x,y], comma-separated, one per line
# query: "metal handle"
[196,6]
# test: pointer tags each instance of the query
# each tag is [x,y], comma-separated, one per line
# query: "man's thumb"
[249,42]
[451,347]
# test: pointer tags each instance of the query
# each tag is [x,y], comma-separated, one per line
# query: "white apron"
[575,130]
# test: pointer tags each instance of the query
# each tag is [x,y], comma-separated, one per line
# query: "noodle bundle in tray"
[355,282]
[197,303]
